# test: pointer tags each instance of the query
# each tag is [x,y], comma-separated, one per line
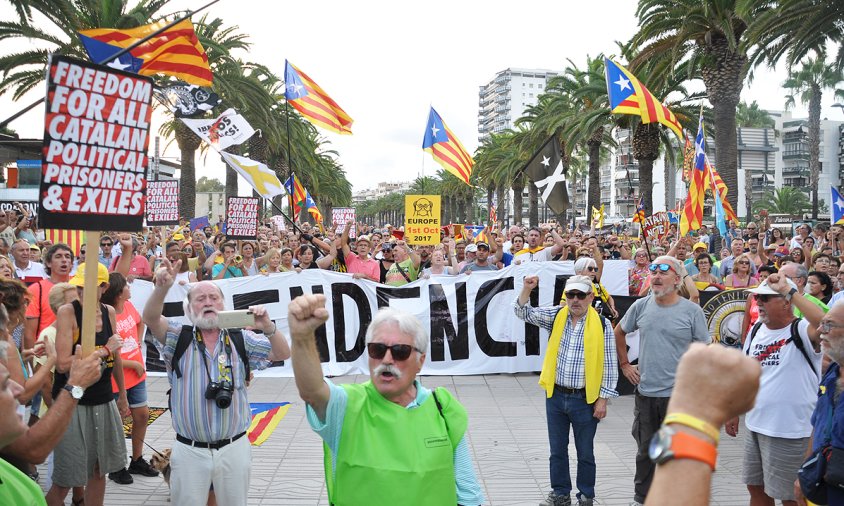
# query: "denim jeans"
[570,409]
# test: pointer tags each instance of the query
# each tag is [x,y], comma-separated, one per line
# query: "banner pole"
[89,297]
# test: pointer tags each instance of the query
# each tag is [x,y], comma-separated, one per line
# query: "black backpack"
[795,338]
[185,338]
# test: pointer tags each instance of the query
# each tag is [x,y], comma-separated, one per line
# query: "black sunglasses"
[399,351]
[763,298]
[578,295]
[104,244]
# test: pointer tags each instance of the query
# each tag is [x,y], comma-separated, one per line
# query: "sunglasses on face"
[660,267]
[592,269]
[743,262]
[578,295]
[398,351]
[764,298]
[106,244]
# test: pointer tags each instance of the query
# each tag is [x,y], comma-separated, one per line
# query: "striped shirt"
[571,366]
[469,491]
[194,416]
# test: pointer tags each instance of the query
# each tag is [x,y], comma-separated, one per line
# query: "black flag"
[546,171]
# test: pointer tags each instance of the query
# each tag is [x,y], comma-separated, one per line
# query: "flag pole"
[114,57]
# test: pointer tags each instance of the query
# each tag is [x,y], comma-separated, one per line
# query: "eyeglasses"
[578,295]
[764,298]
[106,244]
[827,325]
[398,351]
[743,262]
[592,269]
[660,267]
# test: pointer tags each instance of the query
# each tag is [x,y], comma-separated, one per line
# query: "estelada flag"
[312,102]
[265,418]
[175,52]
[629,96]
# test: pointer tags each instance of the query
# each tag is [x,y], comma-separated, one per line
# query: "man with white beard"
[208,368]
[667,325]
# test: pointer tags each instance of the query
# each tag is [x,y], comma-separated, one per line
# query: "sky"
[387,63]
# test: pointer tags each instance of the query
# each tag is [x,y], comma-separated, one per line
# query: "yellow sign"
[422,219]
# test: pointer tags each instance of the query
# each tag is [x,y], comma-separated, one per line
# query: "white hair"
[407,323]
[584,263]
[201,323]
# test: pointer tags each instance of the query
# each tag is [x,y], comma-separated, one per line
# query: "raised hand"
[165,275]
[305,314]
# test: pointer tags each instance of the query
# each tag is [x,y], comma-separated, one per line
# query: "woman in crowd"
[518,244]
[185,275]
[306,258]
[439,266]
[251,265]
[639,272]
[778,240]
[704,279]
[603,301]
[819,285]
[130,326]
[272,262]
[6,269]
[741,276]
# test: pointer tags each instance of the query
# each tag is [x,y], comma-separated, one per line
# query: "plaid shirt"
[571,370]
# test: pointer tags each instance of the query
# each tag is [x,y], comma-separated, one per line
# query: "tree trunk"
[470,208]
[533,205]
[518,187]
[814,146]
[501,208]
[231,183]
[188,143]
[593,197]
[490,197]
[645,151]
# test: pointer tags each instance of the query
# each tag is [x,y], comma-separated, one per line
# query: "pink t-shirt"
[127,327]
[139,267]
[369,267]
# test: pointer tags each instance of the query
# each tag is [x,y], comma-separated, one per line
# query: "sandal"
[77,502]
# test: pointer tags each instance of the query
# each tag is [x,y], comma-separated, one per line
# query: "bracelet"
[694,423]
[275,328]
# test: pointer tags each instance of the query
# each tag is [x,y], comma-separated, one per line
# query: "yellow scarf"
[530,250]
[593,353]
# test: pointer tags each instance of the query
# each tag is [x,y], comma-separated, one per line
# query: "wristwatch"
[668,444]
[75,392]
[792,292]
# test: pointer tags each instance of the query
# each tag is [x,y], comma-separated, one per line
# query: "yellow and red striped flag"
[265,418]
[692,215]
[629,96]
[313,103]
[175,52]
[447,151]
[714,182]
[73,238]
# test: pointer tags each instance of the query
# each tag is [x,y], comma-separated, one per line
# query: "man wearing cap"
[482,261]
[470,252]
[358,263]
[667,325]
[698,249]
[93,444]
[779,425]
[578,375]
[27,270]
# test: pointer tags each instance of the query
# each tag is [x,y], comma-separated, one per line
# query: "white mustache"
[382,368]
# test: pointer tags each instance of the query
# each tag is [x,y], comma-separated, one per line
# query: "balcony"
[796,169]
[795,154]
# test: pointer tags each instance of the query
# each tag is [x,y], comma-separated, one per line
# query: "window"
[531,85]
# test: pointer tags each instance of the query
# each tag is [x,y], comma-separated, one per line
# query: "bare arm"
[305,314]
[163,279]
[559,243]
[344,240]
[325,262]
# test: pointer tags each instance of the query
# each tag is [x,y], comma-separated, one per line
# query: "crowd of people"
[74,405]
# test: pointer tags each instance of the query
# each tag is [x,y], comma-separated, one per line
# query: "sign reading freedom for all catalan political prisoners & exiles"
[242,218]
[96,135]
[422,219]
[341,216]
[162,203]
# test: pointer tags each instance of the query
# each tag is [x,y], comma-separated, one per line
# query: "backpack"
[795,338]
[185,338]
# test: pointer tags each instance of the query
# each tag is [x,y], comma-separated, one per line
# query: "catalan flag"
[688,159]
[312,102]
[629,96]
[714,182]
[175,52]
[478,234]
[301,199]
[837,207]
[73,238]
[639,217]
[692,214]
[493,214]
[265,418]
[447,151]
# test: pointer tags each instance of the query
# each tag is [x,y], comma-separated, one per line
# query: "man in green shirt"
[406,267]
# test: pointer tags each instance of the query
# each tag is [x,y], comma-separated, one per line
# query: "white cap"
[472,248]
[764,289]
[582,283]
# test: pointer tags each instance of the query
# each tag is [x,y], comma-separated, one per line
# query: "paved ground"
[506,432]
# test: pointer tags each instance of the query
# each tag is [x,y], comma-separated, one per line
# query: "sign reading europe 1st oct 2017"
[96,135]
[422,219]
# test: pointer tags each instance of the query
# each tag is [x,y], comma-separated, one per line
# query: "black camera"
[307,237]
[220,392]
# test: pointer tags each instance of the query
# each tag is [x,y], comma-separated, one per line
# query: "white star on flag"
[839,203]
[117,65]
[623,83]
[545,161]
[295,87]
[434,130]
[559,176]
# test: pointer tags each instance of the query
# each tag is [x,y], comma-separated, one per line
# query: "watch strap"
[688,446]
[694,423]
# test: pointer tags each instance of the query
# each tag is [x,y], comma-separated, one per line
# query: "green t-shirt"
[394,277]
[17,488]
[813,300]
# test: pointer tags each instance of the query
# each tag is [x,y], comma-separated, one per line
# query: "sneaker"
[636,503]
[122,477]
[556,500]
[584,501]
[142,467]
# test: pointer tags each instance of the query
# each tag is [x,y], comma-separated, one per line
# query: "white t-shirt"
[788,388]
[543,255]
[33,270]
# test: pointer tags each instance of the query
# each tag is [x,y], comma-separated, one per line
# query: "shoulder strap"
[753,331]
[798,342]
[185,338]
[440,408]
[406,277]
[236,336]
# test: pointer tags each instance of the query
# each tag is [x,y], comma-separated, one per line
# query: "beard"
[663,290]
[205,322]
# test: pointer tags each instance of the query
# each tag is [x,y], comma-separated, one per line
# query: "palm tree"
[751,116]
[708,34]
[809,82]
[785,200]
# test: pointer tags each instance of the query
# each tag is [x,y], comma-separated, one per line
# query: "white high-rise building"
[504,99]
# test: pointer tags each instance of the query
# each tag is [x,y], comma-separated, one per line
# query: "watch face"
[77,392]
[660,445]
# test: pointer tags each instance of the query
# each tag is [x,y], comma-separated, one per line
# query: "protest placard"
[422,219]
[343,215]
[242,218]
[657,225]
[162,203]
[96,136]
